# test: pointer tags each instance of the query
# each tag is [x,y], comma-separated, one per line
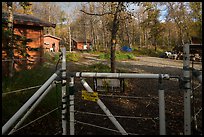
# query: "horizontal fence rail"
[120,75]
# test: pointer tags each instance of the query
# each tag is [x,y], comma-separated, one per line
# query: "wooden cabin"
[31,28]
[81,44]
[51,43]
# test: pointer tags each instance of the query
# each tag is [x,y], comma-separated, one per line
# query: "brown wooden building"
[31,28]
[51,43]
[81,44]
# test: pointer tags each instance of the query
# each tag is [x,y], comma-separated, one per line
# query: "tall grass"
[24,79]
[27,78]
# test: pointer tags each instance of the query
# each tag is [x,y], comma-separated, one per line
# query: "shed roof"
[81,40]
[27,20]
[48,35]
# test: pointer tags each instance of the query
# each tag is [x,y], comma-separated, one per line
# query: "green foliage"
[72,57]
[19,43]
[153,24]
[52,57]
[35,76]
[104,56]
[98,67]
[124,56]
[95,52]
[26,7]
[148,52]
[118,56]
[196,17]
[24,79]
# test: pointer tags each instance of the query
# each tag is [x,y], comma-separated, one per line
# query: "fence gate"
[62,75]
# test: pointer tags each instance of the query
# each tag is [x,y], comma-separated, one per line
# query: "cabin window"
[46,43]
[53,46]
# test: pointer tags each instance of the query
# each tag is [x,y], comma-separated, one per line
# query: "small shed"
[51,43]
[81,44]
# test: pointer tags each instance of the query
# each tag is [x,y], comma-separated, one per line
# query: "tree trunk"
[10,43]
[113,42]
[155,44]
[113,47]
[127,32]
[169,39]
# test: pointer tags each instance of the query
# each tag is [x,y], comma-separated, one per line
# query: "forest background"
[145,24]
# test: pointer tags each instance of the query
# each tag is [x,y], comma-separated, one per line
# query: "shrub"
[51,57]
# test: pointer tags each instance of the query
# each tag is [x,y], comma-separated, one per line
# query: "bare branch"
[96,14]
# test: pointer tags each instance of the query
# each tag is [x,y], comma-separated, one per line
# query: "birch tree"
[10,44]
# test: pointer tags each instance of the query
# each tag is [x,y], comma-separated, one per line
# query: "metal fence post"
[187,92]
[71,105]
[64,100]
[162,123]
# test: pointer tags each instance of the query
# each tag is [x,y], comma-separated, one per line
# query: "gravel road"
[143,64]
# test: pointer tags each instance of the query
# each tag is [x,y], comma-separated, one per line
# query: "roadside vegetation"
[118,56]
[12,102]
[132,55]
[148,52]
[30,78]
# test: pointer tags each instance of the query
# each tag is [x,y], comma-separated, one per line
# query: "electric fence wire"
[42,116]
[117,116]
[19,90]
[134,97]
[18,59]
[76,121]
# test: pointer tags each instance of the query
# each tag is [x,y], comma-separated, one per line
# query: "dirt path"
[142,64]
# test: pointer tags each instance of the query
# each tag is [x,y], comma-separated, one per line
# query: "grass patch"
[52,57]
[147,52]
[27,78]
[118,56]
[97,67]
[72,56]
[24,79]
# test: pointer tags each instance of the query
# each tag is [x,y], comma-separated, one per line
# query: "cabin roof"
[81,40]
[55,37]
[25,19]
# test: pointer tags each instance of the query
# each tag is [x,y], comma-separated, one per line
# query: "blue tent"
[126,48]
